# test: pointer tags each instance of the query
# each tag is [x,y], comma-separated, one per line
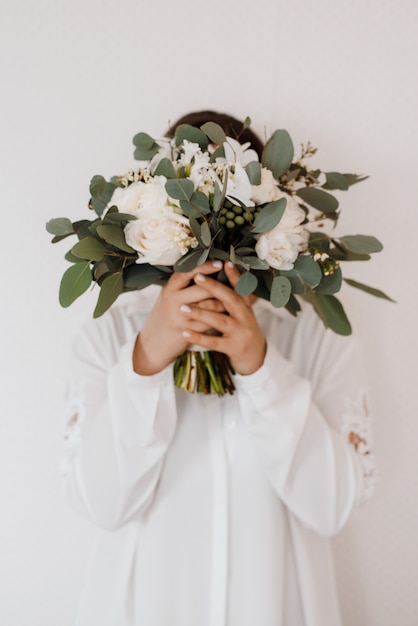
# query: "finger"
[210,342]
[232,302]
[217,321]
[181,280]
[211,305]
[231,272]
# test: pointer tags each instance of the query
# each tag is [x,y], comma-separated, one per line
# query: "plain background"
[79,78]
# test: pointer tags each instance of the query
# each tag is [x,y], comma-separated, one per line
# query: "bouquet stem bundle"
[205,372]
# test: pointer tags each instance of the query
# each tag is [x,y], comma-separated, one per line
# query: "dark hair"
[232,127]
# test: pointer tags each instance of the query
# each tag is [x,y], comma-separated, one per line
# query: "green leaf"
[218,154]
[142,275]
[89,248]
[97,186]
[191,133]
[319,199]
[278,153]
[361,244]
[101,193]
[219,195]
[269,216]
[75,281]
[371,290]
[203,256]
[111,288]
[246,284]
[197,206]
[145,147]
[247,122]
[330,284]
[189,261]
[205,234]
[215,132]
[254,262]
[114,235]
[335,180]
[216,253]
[305,275]
[117,218]
[165,168]
[352,179]
[331,311]
[60,226]
[180,189]
[253,171]
[280,291]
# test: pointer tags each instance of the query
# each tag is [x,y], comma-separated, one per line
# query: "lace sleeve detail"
[356,429]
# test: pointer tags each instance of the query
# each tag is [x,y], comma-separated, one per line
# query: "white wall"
[79,78]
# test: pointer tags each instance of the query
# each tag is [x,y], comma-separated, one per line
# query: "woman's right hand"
[160,340]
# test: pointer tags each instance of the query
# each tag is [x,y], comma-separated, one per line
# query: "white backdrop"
[79,78]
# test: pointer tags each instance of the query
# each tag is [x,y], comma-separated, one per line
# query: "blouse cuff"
[275,367]
[155,381]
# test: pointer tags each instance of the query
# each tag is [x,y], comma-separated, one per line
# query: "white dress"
[215,511]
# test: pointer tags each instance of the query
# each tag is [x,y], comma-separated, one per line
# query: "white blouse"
[215,511]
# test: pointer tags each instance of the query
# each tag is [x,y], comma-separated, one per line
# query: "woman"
[214,511]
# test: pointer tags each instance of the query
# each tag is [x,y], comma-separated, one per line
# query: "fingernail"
[200,278]
[217,264]
[186,333]
[185,309]
[230,265]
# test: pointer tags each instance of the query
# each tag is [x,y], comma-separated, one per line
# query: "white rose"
[160,237]
[139,196]
[281,246]
[267,190]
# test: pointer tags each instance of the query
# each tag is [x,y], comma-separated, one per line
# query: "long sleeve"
[305,427]
[119,426]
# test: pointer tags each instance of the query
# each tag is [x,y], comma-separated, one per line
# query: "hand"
[241,337]
[161,340]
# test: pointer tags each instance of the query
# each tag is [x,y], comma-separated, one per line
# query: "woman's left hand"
[241,337]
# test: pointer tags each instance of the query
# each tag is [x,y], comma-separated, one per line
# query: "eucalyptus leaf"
[205,234]
[281,289]
[89,248]
[331,312]
[138,276]
[117,218]
[361,244]
[371,290]
[352,179]
[145,147]
[269,216]
[71,258]
[75,281]
[278,153]
[215,132]
[200,202]
[111,288]
[114,235]
[330,284]
[192,134]
[253,171]
[165,168]
[189,261]
[218,154]
[254,262]
[102,197]
[203,256]
[180,189]
[97,186]
[246,284]
[219,195]
[293,306]
[319,199]
[247,122]
[335,180]
[60,226]
[222,255]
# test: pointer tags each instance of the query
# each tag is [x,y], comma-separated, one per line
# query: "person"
[214,511]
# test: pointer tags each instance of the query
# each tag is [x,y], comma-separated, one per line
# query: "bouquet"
[202,195]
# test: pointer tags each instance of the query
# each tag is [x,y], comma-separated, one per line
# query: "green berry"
[239,220]
[230,215]
[230,224]
[237,210]
[222,220]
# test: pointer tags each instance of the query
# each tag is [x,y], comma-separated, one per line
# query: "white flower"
[267,190]
[281,246]
[161,237]
[236,152]
[139,196]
